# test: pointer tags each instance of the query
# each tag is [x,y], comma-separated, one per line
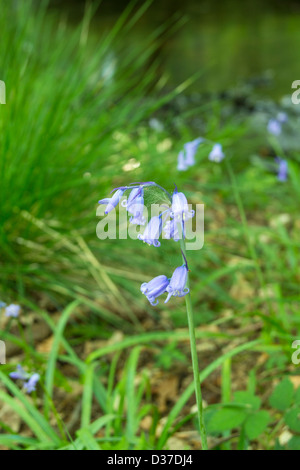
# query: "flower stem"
[190,316]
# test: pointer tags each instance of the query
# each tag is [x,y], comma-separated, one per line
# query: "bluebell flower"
[274,127]
[190,151]
[180,209]
[171,230]
[155,288]
[177,286]
[282,117]
[112,202]
[186,157]
[181,164]
[282,174]
[19,374]
[30,386]
[137,211]
[217,154]
[134,194]
[12,311]
[152,231]
[135,206]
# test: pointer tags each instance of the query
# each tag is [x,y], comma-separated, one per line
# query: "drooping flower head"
[282,174]
[217,154]
[30,386]
[190,151]
[186,157]
[12,311]
[177,286]
[19,374]
[112,202]
[29,380]
[155,288]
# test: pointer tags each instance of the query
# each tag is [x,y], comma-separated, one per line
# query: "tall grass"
[67,95]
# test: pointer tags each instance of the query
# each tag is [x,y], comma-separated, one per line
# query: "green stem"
[198,393]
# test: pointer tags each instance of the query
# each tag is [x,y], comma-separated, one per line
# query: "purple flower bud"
[19,374]
[30,386]
[177,286]
[112,202]
[155,288]
[274,127]
[12,311]
[152,232]
[282,174]
[180,208]
[217,154]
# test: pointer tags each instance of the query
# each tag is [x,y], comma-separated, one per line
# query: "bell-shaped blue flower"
[217,154]
[12,311]
[171,230]
[181,163]
[30,386]
[186,157]
[19,374]
[274,127]
[282,174]
[155,288]
[282,117]
[152,231]
[112,202]
[190,151]
[177,286]
[135,206]
[180,209]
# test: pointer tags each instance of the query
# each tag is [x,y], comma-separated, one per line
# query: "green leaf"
[297,396]
[226,419]
[282,395]
[294,443]
[248,399]
[256,424]
[88,440]
[292,418]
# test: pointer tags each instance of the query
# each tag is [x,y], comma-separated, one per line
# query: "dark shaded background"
[229,42]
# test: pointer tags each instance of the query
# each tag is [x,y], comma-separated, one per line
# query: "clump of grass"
[56,141]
